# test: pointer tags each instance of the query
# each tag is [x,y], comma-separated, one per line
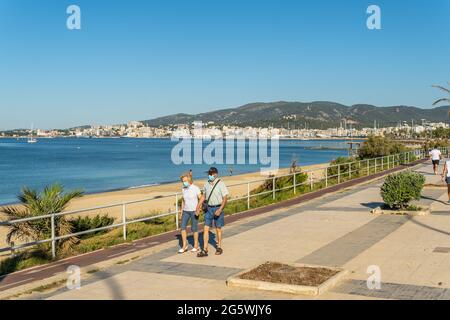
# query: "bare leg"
[219,237]
[205,238]
[196,240]
[184,238]
[448,191]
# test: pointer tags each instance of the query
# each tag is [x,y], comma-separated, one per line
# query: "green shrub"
[24,260]
[441,133]
[435,143]
[401,188]
[344,168]
[377,146]
[81,224]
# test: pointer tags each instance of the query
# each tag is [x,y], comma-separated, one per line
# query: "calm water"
[106,164]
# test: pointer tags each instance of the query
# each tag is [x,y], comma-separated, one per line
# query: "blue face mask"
[211,178]
[185,184]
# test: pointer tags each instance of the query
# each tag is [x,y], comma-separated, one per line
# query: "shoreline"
[162,197]
[171,183]
[168,138]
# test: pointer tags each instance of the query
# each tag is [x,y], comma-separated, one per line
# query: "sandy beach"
[165,200]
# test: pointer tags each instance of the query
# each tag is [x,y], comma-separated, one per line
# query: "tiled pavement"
[334,230]
[344,249]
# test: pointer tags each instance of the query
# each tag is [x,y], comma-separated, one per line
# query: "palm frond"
[441,88]
[441,100]
[51,200]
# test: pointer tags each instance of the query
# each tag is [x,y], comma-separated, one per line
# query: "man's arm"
[225,193]
[223,204]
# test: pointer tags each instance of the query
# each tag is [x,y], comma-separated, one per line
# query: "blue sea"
[97,165]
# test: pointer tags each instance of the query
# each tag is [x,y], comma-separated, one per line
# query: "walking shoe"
[202,254]
[195,250]
[219,251]
[183,250]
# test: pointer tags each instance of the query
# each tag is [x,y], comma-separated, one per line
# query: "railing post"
[350,170]
[52,219]
[248,195]
[382,163]
[339,173]
[311,181]
[124,221]
[375,165]
[326,177]
[273,189]
[176,211]
[295,183]
[13,251]
[368,167]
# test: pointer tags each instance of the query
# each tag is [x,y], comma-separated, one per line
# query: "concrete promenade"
[413,253]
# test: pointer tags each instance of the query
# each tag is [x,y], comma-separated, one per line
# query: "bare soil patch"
[282,273]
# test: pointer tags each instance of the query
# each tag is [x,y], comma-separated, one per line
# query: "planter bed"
[288,278]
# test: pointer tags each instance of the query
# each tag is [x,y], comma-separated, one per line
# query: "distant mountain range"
[318,115]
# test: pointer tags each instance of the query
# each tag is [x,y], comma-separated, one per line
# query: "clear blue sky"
[143,59]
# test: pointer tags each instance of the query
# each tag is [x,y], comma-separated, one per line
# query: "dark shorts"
[435,162]
[211,220]
[447,179]
[189,215]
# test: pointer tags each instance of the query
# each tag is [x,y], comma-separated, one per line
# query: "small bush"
[344,168]
[401,188]
[88,223]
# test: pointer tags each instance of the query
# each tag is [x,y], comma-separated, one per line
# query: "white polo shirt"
[190,197]
[435,154]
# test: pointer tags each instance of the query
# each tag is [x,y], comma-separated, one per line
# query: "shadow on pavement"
[373,205]
[190,239]
[429,227]
[434,200]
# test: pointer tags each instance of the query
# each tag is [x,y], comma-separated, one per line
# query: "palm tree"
[446,100]
[51,200]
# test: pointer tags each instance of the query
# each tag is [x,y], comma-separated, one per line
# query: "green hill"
[319,114]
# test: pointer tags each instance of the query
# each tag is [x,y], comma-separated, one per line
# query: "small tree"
[33,204]
[377,146]
[400,189]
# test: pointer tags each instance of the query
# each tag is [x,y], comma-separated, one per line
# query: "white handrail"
[392,161]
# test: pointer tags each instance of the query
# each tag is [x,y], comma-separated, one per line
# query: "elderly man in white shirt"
[216,194]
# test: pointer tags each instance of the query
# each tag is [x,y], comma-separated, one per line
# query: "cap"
[212,170]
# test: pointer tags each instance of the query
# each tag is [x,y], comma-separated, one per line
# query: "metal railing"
[326,176]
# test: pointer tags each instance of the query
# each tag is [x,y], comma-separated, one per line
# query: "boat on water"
[31,138]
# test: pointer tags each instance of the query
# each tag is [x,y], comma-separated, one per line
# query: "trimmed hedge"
[399,189]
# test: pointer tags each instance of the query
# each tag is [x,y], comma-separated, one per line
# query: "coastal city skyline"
[138,62]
